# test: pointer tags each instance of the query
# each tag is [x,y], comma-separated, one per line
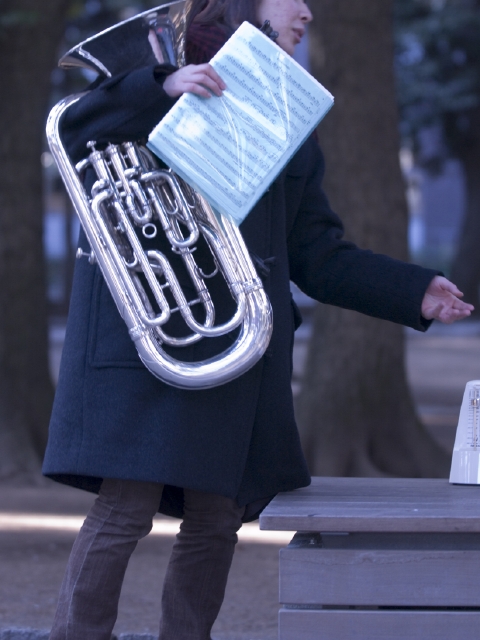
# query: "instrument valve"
[84,254]
[133,172]
[82,165]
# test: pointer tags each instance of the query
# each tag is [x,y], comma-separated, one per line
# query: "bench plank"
[378,625]
[384,578]
[376,505]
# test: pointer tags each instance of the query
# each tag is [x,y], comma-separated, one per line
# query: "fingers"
[201,80]
[448,316]
[459,304]
[440,285]
[448,310]
[452,288]
[442,301]
[210,78]
[198,79]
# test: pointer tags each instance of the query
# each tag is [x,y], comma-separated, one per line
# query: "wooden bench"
[379,559]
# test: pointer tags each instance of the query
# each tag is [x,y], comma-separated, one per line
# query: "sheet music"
[231,148]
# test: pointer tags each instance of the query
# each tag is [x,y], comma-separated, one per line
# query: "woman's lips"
[299,33]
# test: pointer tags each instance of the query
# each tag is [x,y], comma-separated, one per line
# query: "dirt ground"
[38,524]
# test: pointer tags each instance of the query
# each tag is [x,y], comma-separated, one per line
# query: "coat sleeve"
[329,269]
[121,109]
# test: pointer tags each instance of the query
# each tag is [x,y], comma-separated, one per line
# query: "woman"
[214,457]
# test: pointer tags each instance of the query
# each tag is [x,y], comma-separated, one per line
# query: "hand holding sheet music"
[231,148]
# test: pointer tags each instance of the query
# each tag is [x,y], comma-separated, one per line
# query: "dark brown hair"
[229,13]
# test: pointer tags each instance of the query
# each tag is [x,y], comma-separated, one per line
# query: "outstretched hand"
[200,79]
[442,302]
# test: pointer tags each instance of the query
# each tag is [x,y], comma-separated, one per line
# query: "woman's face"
[288,17]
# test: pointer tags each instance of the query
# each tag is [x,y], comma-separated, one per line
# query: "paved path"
[38,524]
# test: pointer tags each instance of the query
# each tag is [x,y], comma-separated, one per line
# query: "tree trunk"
[466,266]
[355,411]
[30,31]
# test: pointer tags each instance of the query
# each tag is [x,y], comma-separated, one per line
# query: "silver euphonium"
[133,196]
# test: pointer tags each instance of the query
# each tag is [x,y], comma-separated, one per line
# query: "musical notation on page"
[231,148]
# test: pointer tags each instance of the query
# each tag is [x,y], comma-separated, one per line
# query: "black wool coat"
[112,418]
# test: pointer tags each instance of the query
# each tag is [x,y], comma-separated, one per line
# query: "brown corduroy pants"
[196,576]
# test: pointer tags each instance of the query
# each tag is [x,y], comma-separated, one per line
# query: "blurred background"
[402,148]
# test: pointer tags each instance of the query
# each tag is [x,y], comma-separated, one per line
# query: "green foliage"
[438,67]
